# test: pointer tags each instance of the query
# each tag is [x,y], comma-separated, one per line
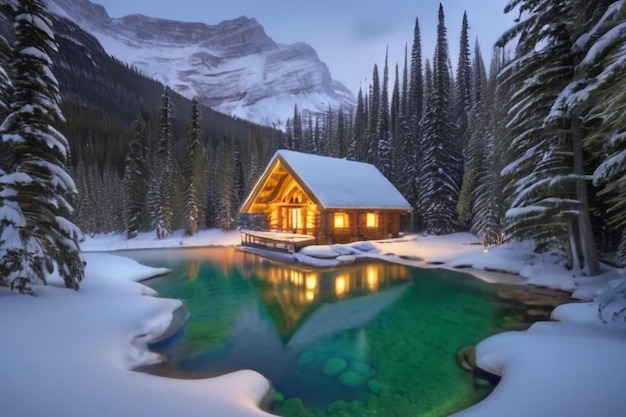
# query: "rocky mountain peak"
[233,66]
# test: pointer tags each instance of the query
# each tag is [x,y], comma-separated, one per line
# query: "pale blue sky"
[349,35]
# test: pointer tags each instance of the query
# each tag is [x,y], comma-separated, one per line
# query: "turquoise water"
[368,339]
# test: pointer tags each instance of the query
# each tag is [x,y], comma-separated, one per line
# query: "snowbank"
[67,353]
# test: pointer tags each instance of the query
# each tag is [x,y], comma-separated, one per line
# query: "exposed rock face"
[233,66]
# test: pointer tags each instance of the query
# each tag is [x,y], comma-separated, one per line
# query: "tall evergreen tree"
[359,131]
[479,200]
[36,237]
[195,173]
[384,156]
[441,159]
[463,96]
[5,94]
[297,130]
[161,190]
[545,177]
[416,87]
[374,115]
[341,137]
[136,182]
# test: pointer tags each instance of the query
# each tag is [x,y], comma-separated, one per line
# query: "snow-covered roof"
[338,183]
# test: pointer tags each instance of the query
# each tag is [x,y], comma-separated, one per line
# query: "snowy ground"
[66,353]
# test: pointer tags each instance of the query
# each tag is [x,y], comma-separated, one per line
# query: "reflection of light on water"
[310,295]
[372,277]
[361,344]
[296,277]
[193,269]
[311,282]
[340,285]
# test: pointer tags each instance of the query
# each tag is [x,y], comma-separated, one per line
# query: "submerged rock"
[374,387]
[334,366]
[466,358]
[307,358]
[352,379]
[361,368]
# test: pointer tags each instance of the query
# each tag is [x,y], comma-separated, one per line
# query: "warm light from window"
[340,285]
[295,215]
[341,220]
[372,277]
[310,295]
[371,220]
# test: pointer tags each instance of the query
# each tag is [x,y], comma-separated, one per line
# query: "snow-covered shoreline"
[88,342]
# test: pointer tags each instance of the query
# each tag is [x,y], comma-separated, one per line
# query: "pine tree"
[374,115]
[239,185]
[479,200]
[135,182]
[463,96]
[36,237]
[440,158]
[296,144]
[341,139]
[545,177]
[161,189]
[5,94]
[194,173]
[384,154]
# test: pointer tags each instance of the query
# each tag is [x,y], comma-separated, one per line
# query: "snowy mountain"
[234,67]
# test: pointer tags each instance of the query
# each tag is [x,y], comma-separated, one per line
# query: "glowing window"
[341,221]
[371,220]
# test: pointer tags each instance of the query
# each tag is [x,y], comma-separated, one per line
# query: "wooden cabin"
[333,200]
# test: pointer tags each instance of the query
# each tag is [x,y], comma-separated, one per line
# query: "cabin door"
[293,219]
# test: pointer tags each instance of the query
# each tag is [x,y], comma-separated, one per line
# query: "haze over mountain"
[233,66]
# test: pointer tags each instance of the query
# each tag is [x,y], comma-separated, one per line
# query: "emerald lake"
[365,339]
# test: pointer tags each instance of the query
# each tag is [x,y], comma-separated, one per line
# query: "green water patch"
[367,340]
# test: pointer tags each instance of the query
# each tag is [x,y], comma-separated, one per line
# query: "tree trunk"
[590,255]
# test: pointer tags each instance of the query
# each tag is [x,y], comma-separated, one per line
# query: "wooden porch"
[277,241]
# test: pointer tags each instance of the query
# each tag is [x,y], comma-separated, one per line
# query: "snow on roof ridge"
[343,183]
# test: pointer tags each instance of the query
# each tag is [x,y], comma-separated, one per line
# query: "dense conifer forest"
[530,146]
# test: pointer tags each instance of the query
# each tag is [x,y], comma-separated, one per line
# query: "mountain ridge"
[233,66]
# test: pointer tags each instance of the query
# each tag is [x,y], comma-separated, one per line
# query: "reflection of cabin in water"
[330,199]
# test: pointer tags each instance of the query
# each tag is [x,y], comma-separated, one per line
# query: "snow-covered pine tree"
[463,87]
[296,144]
[415,101]
[482,167]
[224,204]
[239,182]
[5,93]
[373,116]
[394,112]
[404,146]
[36,238]
[384,155]
[161,189]
[597,94]
[411,133]
[135,182]
[357,150]
[440,155]
[545,177]
[195,173]
[359,131]
[341,140]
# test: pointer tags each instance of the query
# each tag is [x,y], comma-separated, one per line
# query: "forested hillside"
[102,98]
[534,147]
